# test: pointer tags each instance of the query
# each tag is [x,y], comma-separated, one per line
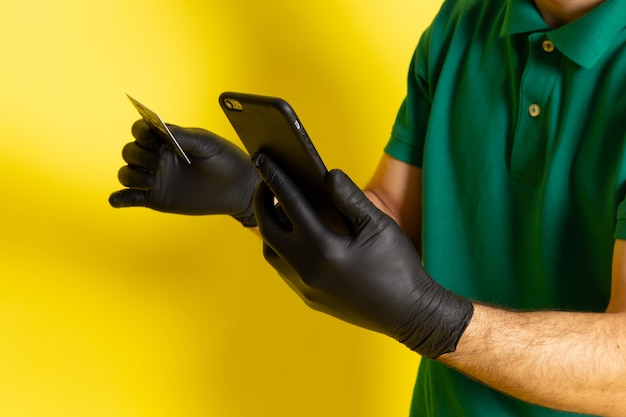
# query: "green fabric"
[519,211]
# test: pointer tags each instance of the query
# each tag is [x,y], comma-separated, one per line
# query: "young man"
[505,170]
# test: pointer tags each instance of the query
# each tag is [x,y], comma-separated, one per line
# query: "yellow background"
[130,312]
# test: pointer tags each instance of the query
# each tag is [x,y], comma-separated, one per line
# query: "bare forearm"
[378,202]
[410,224]
[568,361]
[396,189]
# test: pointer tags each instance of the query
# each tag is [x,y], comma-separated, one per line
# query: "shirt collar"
[521,16]
[583,41]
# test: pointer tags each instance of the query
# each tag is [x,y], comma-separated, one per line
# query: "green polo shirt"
[520,132]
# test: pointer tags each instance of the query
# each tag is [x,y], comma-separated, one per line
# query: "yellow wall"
[108,312]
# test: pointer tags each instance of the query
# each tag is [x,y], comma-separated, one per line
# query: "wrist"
[435,327]
[246,217]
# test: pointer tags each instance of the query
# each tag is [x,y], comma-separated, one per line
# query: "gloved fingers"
[145,137]
[350,199]
[201,143]
[272,228]
[285,270]
[136,178]
[196,142]
[137,156]
[274,259]
[295,206]
[128,198]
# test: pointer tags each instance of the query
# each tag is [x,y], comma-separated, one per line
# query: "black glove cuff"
[437,328]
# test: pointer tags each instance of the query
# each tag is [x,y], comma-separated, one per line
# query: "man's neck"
[557,13]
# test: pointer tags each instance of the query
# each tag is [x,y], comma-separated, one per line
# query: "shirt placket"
[536,87]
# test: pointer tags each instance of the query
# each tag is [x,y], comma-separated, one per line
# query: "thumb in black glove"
[220,179]
[372,277]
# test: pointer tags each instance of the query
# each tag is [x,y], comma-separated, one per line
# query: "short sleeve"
[409,130]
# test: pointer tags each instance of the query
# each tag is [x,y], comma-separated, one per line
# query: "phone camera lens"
[232,104]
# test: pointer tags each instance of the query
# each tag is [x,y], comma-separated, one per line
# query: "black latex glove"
[372,277]
[220,180]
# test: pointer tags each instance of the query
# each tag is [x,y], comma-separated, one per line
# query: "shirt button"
[534,110]
[547,46]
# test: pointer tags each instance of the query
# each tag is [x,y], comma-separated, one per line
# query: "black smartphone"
[270,125]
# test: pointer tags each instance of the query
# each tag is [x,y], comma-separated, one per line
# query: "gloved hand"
[372,277]
[220,180]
